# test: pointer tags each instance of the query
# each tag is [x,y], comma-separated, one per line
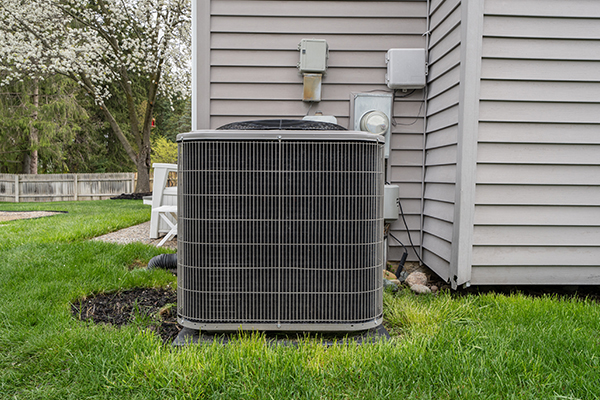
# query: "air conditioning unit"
[280,230]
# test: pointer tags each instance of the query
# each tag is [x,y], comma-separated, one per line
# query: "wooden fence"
[64,187]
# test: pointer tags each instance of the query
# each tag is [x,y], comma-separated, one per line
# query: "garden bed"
[149,308]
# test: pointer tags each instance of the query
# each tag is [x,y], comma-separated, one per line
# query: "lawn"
[443,347]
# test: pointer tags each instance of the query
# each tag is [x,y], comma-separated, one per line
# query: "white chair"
[164,212]
[163,218]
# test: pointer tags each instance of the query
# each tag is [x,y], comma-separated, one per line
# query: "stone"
[434,289]
[416,278]
[389,285]
[388,275]
[420,289]
[413,266]
[403,275]
[396,281]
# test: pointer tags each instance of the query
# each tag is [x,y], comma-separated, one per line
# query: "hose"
[165,261]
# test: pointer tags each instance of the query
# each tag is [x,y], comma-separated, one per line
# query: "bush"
[164,151]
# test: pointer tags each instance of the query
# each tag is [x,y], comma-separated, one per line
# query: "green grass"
[444,347]
[82,220]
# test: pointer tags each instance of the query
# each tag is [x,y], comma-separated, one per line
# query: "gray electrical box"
[313,55]
[391,211]
[406,68]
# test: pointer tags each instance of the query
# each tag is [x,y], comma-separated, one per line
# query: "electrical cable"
[418,113]
[311,104]
[394,123]
[375,90]
[396,239]
[407,231]
[406,95]
[409,237]
[403,258]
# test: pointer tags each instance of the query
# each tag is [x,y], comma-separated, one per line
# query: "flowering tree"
[136,49]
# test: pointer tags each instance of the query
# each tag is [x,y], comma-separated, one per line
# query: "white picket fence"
[64,187]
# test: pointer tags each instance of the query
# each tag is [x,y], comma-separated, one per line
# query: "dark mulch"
[131,196]
[152,308]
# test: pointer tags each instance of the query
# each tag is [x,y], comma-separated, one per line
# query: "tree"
[137,49]
[173,116]
[49,109]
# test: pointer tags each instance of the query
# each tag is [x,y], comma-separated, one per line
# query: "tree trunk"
[143,170]
[141,158]
[26,164]
[31,165]
[146,146]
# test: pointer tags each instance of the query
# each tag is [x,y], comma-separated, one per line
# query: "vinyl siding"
[406,168]
[253,75]
[253,54]
[445,53]
[500,179]
[537,203]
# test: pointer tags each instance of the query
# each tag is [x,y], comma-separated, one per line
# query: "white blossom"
[72,37]
[99,43]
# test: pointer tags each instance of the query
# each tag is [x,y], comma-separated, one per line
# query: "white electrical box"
[313,55]
[406,68]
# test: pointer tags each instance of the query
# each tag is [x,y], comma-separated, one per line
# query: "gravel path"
[13,215]
[136,233]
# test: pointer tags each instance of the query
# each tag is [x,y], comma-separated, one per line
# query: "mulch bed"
[154,308]
[131,196]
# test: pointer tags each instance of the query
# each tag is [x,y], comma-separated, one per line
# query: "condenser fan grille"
[280,234]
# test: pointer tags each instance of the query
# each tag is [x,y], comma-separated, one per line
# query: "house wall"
[245,61]
[445,53]
[507,174]
[537,214]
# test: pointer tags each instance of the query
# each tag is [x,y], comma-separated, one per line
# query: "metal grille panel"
[280,233]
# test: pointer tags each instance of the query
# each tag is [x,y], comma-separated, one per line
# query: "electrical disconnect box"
[406,68]
[391,197]
[313,56]
[371,112]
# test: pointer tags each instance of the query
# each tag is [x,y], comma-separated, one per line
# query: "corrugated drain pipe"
[164,261]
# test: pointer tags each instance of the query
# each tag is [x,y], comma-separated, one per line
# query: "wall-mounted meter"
[313,56]
[372,113]
[406,68]
[375,121]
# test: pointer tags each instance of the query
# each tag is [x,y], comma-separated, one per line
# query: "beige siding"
[500,179]
[253,74]
[253,54]
[535,274]
[537,207]
[406,167]
[442,134]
